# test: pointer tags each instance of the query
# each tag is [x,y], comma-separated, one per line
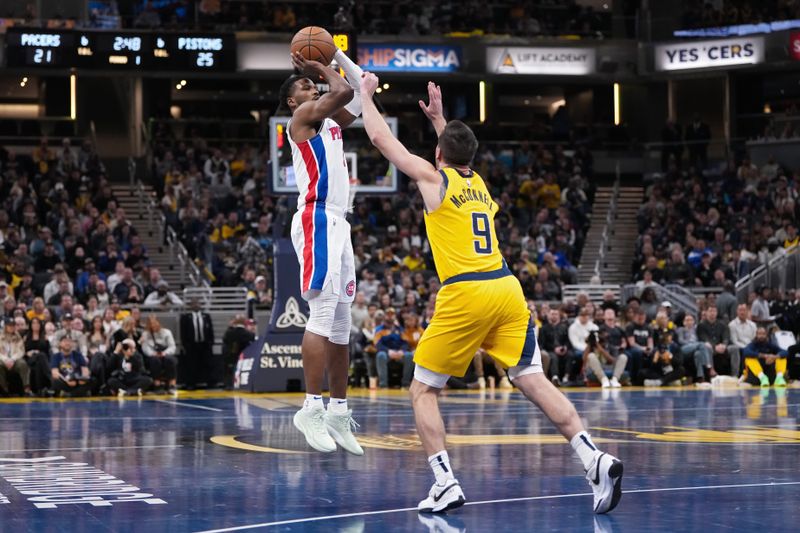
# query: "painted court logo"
[351,288]
[291,315]
[50,482]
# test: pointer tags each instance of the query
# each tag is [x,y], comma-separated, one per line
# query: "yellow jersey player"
[480,305]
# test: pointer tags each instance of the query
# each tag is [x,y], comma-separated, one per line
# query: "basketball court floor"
[695,460]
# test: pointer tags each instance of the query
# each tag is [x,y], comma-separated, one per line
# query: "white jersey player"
[321,238]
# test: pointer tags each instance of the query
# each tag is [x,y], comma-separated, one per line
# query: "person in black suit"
[197,338]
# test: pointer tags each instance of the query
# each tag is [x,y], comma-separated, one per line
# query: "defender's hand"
[369,82]
[434,108]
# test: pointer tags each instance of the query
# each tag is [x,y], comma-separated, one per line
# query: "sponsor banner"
[556,61]
[708,54]
[409,58]
[794,45]
[274,361]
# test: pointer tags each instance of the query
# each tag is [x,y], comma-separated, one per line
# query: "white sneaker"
[311,423]
[340,427]
[505,383]
[442,498]
[652,383]
[615,383]
[481,382]
[121,393]
[605,477]
[605,383]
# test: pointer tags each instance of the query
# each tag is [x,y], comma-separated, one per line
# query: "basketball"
[315,44]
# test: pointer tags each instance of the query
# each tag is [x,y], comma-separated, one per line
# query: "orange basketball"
[315,44]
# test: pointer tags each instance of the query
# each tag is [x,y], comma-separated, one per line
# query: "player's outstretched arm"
[382,138]
[352,72]
[434,110]
[329,103]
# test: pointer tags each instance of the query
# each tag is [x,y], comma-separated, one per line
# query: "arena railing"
[593,291]
[679,296]
[611,217]
[782,272]
[221,303]
[190,274]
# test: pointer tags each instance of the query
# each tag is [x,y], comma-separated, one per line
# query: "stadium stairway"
[149,232]
[616,267]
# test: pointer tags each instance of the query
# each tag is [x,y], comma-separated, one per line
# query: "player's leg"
[446,348]
[310,419]
[445,493]
[514,344]
[754,366]
[339,419]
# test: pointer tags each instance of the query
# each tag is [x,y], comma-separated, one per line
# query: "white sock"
[313,401]
[584,448]
[337,406]
[778,375]
[440,464]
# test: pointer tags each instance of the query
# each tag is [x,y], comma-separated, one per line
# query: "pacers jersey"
[461,231]
[320,168]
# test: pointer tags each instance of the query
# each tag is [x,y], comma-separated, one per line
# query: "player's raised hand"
[434,108]
[369,82]
[307,66]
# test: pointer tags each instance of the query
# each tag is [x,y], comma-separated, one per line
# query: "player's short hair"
[457,143]
[287,90]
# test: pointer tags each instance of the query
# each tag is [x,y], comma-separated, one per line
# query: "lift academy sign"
[554,61]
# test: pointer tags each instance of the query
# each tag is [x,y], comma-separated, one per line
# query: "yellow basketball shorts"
[474,312]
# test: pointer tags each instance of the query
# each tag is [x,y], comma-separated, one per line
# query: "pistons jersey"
[320,169]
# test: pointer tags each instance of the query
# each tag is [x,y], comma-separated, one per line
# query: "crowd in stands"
[704,14]
[709,229]
[385,18]
[73,277]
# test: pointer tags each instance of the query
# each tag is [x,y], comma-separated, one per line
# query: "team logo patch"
[351,288]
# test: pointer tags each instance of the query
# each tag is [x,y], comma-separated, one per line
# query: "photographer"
[69,370]
[596,355]
[127,371]
[664,368]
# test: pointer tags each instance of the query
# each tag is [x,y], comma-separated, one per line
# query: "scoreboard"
[121,50]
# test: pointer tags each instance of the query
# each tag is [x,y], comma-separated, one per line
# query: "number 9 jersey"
[461,231]
[481,303]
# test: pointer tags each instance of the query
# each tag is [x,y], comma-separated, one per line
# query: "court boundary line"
[93,449]
[487,502]
[183,404]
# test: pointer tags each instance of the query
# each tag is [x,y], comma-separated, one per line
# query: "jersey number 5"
[482,232]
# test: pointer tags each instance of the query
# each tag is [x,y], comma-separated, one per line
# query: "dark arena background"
[644,158]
